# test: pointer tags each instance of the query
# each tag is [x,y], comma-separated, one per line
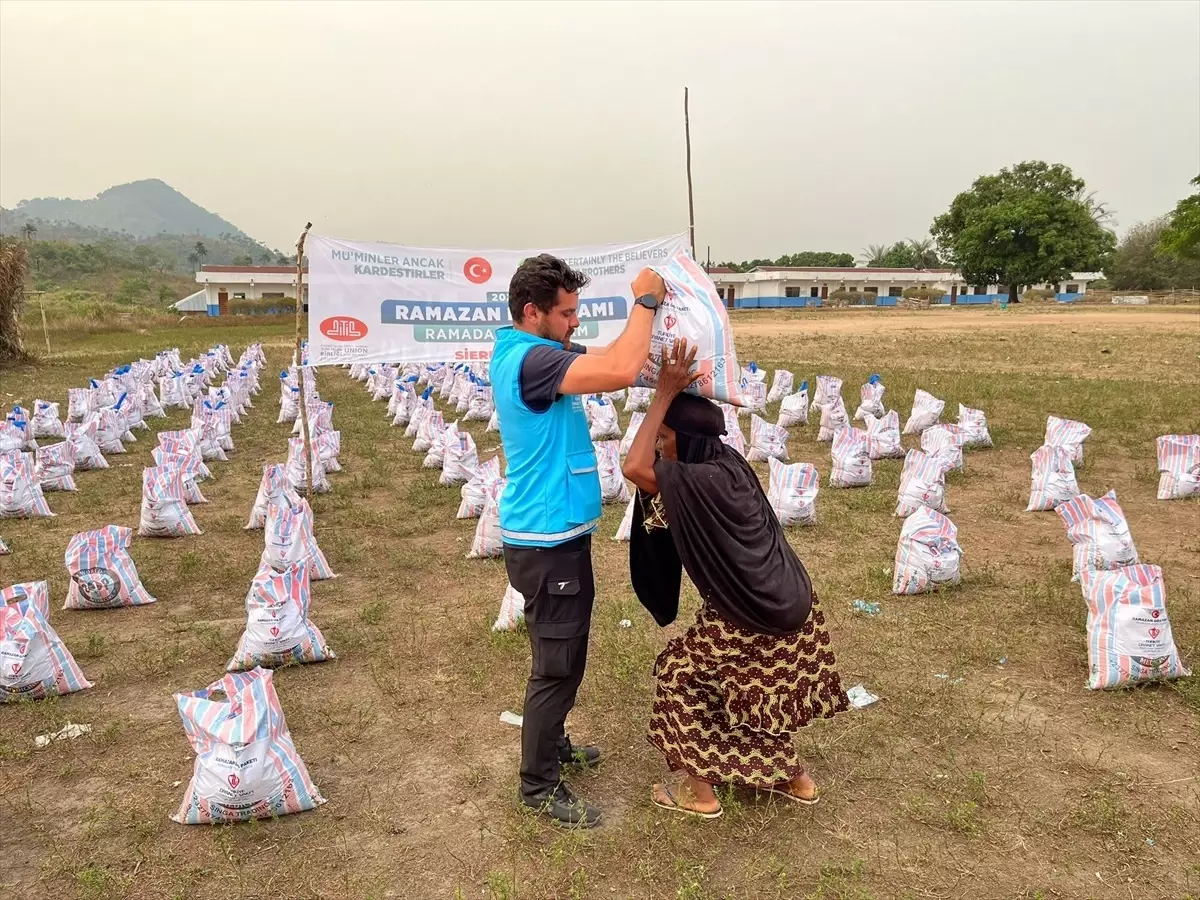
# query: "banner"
[370,302]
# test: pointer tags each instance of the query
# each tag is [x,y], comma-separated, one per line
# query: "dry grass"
[1016,783]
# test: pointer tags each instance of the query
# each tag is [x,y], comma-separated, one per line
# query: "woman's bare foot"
[689,795]
[801,788]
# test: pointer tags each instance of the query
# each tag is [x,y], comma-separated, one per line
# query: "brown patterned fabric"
[729,701]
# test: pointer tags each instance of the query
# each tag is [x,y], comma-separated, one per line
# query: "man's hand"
[649,282]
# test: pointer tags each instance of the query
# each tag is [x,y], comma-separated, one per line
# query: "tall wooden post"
[298,358]
[687,136]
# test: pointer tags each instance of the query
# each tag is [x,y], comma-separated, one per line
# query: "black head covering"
[721,529]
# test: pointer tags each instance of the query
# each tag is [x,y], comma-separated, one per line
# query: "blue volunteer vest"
[553,490]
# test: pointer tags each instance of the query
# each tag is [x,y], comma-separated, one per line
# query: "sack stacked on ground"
[973,424]
[733,436]
[422,409]
[639,399]
[927,554]
[754,396]
[883,436]
[926,411]
[297,470]
[460,459]
[512,610]
[692,310]
[55,466]
[635,422]
[615,396]
[793,409]
[12,439]
[109,429]
[602,415]
[21,494]
[22,429]
[1053,478]
[77,404]
[87,452]
[246,764]
[164,504]
[327,445]
[430,429]
[922,483]
[489,542]
[792,492]
[278,630]
[102,572]
[289,540]
[1179,465]
[945,441]
[767,441]
[34,662]
[272,488]
[833,418]
[1129,634]
[625,528]
[46,421]
[1069,434]
[753,373]
[613,488]
[475,491]
[870,400]
[828,389]
[1098,532]
[851,459]
[4,549]
[781,385]
[481,405]
[151,406]
[436,453]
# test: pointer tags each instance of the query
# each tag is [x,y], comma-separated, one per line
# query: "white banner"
[370,302]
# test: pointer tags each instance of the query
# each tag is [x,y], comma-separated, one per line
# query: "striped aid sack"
[436,454]
[870,400]
[289,540]
[164,504]
[754,396]
[1053,478]
[1179,466]
[793,409]
[278,630]
[922,483]
[4,551]
[635,422]
[246,764]
[733,436]
[692,310]
[21,494]
[602,419]
[474,492]
[753,373]
[22,428]
[102,572]
[625,529]
[46,422]
[1099,533]
[946,441]
[767,441]
[512,610]
[833,418]
[781,385]
[187,468]
[638,399]
[828,388]
[613,488]
[34,662]
[927,554]
[883,436]
[792,492]
[87,452]
[297,469]
[460,459]
[1129,635]
[183,443]
[851,459]
[926,411]
[973,423]
[110,428]
[1069,434]
[488,542]
[77,404]
[55,466]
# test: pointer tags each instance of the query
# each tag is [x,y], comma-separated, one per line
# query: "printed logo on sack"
[274,631]
[1154,632]
[344,328]
[97,585]
[477,269]
[16,668]
[234,781]
[669,321]
[1155,613]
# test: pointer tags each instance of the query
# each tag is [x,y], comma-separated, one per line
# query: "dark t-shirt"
[542,372]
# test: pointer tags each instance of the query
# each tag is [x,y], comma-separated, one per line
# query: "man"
[551,504]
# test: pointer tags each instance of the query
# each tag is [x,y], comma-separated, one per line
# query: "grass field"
[1015,782]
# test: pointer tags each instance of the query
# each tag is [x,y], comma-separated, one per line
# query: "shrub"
[924,293]
[1039,294]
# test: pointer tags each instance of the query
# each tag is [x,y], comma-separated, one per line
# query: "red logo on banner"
[344,328]
[477,269]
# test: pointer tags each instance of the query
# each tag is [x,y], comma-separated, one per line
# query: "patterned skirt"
[729,701]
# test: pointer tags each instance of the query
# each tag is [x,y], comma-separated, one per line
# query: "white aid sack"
[639,399]
[833,418]
[278,630]
[754,396]
[109,428]
[46,422]
[1053,478]
[34,662]
[164,505]
[297,470]
[173,391]
[21,494]
[781,385]
[828,388]
[272,488]
[883,436]
[512,610]
[870,400]
[693,311]
[851,459]
[12,438]
[635,422]
[1098,532]
[328,447]
[488,542]
[151,406]
[436,453]
[1069,434]
[87,452]
[4,551]
[289,540]
[613,488]
[1129,634]
[422,409]
[481,405]
[767,441]
[246,764]
[922,483]
[793,410]
[475,491]
[792,492]
[946,441]
[615,396]
[493,424]
[289,405]
[973,423]
[102,572]
[77,404]
[753,373]
[625,528]
[733,436]
[432,426]
[926,411]
[184,444]
[602,414]
[460,459]
[1178,465]
[55,466]
[927,554]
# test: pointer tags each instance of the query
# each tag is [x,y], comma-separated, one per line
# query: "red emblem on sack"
[669,321]
[1155,613]
[234,781]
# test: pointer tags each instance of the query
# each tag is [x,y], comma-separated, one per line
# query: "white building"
[224,283]
[787,286]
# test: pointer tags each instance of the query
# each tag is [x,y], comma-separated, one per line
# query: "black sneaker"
[563,808]
[587,757]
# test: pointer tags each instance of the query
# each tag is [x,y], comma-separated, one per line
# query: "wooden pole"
[687,136]
[298,358]
[45,327]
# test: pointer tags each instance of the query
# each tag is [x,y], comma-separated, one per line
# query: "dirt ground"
[1006,778]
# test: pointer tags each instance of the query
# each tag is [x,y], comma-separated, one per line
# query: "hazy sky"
[814,125]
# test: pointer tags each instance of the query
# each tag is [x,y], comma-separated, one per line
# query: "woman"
[756,667]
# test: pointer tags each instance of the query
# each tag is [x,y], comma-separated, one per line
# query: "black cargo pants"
[558,587]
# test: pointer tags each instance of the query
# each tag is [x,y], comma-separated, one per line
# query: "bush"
[845,297]
[924,293]
[284,306]
[1039,294]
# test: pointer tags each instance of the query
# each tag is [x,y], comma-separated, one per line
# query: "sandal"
[676,806]
[803,801]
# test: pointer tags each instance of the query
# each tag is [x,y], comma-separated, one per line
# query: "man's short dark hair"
[537,281]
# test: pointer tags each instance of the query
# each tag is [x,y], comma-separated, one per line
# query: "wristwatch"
[647,300]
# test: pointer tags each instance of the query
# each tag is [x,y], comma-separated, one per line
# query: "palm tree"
[194,259]
[924,253]
[1101,213]
[265,258]
[873,254]
[30,231]
[200,250]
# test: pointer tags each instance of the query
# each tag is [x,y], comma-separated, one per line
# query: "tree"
[1181,237]
[924,253]
[1022,226]
[281,260]
[1138,263]
[244,259]
[1100,212]
[899,256]
[14,269]
[200,250]
[265,257]
[194,260]
[30,231]
[873,255]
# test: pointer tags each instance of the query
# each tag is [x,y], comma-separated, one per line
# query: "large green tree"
[1181,237]
[910,254]
[1025,225]
[1139,264]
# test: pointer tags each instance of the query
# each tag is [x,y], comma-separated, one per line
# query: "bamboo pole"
[299,358]
[687,136]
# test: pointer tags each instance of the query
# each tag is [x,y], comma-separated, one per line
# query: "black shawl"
[721,529]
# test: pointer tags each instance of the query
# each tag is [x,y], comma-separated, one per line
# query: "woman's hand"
[675,373]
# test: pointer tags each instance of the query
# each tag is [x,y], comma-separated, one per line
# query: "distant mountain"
[142,209]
